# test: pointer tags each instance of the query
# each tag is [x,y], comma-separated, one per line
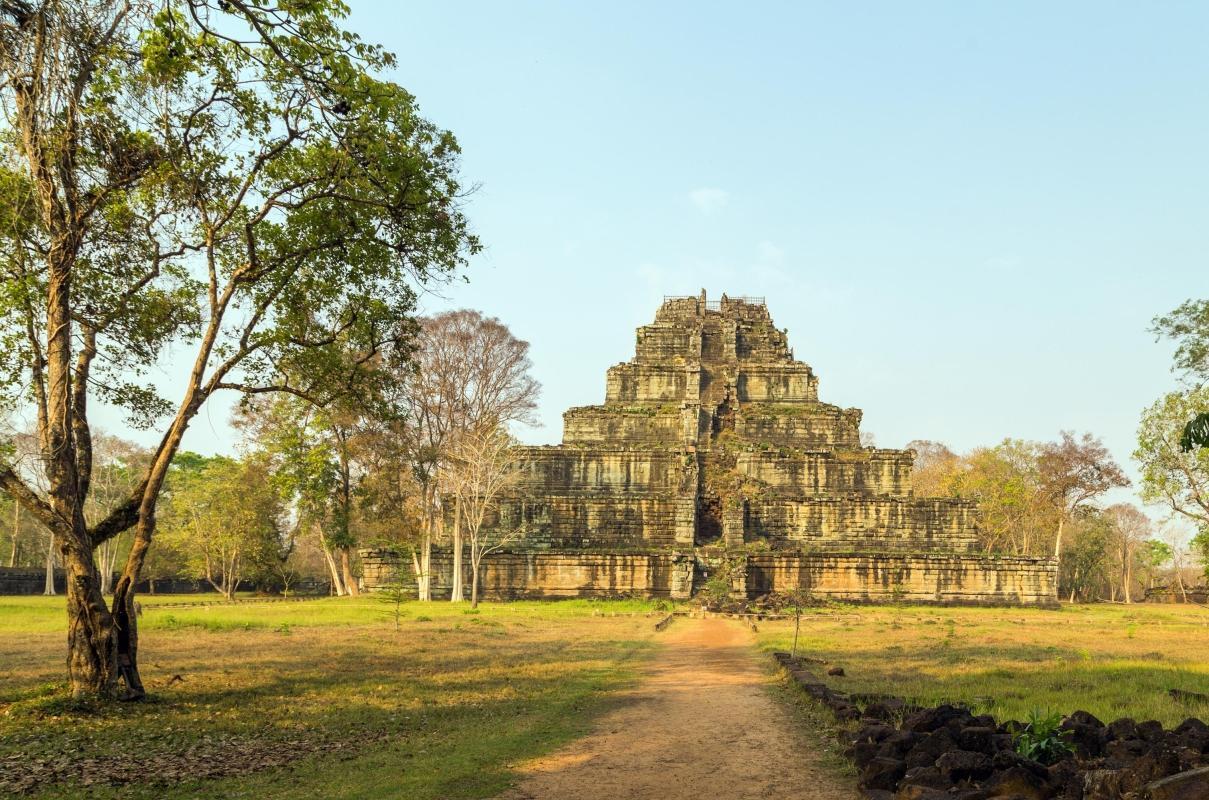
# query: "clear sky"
[965,213]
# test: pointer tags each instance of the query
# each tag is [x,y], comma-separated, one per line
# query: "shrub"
[1042,740]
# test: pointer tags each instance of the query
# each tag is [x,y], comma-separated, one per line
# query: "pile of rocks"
[946,752]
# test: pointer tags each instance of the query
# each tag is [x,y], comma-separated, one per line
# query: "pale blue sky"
[965,213]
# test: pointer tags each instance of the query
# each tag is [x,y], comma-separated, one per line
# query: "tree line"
[310,484]
[1046,498]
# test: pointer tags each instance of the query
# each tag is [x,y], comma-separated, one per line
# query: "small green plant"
[394,596]
[1042,740]
[716,589]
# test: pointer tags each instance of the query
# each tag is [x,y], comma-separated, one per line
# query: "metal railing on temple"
[715,305]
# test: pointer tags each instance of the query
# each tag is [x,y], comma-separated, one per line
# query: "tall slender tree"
[471,375]
[482,467]
[1073,472]
[223,178]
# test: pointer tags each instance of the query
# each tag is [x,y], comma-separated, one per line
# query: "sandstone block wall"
[863,472]
[559,469]
[804,427]
[909,577]
[854,577]
[865,523]
[598,521]
[538,575]
[614,426]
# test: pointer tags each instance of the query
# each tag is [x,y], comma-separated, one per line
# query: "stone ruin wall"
[852,577]
[712,440]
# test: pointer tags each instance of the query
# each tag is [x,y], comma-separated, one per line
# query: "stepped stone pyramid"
[712,459]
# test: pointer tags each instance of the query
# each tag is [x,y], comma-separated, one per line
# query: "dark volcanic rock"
[1151,730]
[1193,727]
[925,776]
[930,747]
[882,773]
[1006,760]
[876,732]
[1189,785]
[1123,728]
[1083,718]
[962,765]
[929,719]
[1086,733]
[979,739]
[861,753]
[899,744]
[1019,782]
[914,791]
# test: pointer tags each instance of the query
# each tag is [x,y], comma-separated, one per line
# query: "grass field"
[327,696]
[1111,660]
[323,694]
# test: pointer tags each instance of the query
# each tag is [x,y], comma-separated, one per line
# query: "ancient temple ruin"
[712,459]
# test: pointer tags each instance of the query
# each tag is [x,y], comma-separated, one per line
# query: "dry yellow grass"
[323,698]
[1111,660]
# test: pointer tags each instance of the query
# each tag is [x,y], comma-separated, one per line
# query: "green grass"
[322,698]
[1111,660]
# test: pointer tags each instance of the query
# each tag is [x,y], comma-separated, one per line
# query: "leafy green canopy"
[223,189]
[232,175]
[1188,326]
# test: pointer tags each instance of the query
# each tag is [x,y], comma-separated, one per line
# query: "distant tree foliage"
[1073,472]
[223,515]
[1041,499]
[1173,477]
[1188,327]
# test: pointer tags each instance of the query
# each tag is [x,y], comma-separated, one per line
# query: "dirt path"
[700,725]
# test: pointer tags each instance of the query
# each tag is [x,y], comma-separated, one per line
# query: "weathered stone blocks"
[712,444]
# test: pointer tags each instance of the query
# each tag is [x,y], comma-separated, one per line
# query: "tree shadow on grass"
[296,707]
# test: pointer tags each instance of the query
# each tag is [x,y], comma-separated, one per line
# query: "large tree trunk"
[337,584]
[424,576]
[12,556]
[424,579]
[92,653]
[350,583]
[106,556]
[48,588]
[474,581]
[1058,538]
[125,614]
[456,595]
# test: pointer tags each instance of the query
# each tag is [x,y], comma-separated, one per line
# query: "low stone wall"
[24,580]
[911,577]
[842,576]
[536,575]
